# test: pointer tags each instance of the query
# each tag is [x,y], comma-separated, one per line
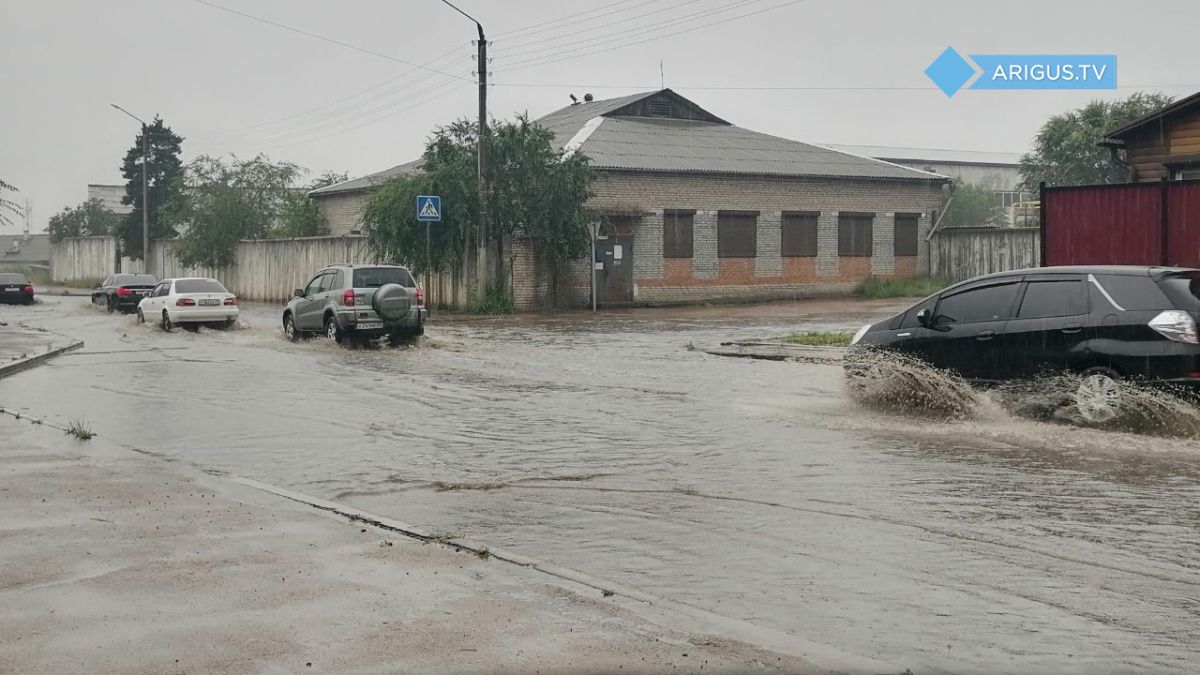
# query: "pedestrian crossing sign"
[429,208]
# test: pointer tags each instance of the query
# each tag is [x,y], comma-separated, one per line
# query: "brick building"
[695,208]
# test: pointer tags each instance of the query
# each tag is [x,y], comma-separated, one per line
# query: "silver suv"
[358,303]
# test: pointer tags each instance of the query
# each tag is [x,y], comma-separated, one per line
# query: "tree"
[226,201]
[88,219]
[299,215]
[8,205]
[1067,152]
[535,193]
[973,206]
[164,185]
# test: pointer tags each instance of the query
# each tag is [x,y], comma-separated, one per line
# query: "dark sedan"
[1107,324]
[15,288]
[123,292]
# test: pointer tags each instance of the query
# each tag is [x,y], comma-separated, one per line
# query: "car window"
[314,286]
[374,277]
[986,303]
[339,278]
[107,282]
[199,286]
[1183,291]
[1044,299]
[1132,292]
[910,317]
[157,291]
[12,278]
[326,282]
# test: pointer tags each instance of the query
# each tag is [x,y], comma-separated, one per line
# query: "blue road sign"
[429,208]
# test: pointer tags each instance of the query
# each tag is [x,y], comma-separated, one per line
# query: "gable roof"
[24,248]
[930,155]
[1165,111]
[661,131]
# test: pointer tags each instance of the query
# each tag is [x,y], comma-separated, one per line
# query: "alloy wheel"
[1098,398]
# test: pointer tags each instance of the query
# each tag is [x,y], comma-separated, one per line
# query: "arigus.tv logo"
[951,71]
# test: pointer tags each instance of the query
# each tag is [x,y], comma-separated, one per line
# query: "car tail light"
[124,292]
[420,298]
[27,289]
[348,298]
[231,300]
[1176,325]
[185,302]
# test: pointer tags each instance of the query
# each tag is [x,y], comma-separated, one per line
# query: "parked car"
[358,303]
[1109,324]
[15,288]
[123,292]
[191,301]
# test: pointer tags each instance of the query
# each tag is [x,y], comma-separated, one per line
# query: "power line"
[561,21]
[647,87]
[523,65]
[340,43]
[572,39]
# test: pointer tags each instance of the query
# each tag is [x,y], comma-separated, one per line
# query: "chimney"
[574,101]
[588,98]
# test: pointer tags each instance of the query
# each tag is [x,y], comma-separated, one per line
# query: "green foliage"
[875,287]
[973,206]
[1066,150]
[298,213]
[8,205]
[393,233]
[164,186]
[88,219]
[819,339]
[226,201]
[495,300]
[80,430]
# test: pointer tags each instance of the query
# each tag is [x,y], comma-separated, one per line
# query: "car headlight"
[859,335]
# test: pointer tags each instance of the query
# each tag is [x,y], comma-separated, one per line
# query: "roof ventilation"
[589,98]
[659,107]
[574,101]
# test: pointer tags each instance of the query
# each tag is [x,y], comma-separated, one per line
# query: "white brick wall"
[827,243]
[704,245]
[767,262]
[648,235]
[883,243]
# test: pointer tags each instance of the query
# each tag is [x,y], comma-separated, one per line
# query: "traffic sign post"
[429,210]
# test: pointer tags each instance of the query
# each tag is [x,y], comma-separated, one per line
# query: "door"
[310,307]
[1050,327]
[614,272]
[970,321]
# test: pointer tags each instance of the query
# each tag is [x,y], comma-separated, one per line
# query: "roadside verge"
[22,348]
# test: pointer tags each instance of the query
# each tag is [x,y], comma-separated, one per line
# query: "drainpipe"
[1115,145]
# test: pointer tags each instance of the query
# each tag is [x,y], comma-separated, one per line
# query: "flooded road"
[758,490]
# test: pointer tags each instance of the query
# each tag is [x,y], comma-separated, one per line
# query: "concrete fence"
[80,258]
[962,253]
[267,270]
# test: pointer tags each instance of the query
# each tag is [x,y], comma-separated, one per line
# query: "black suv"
[1105,323]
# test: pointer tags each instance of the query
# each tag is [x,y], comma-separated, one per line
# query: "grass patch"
[819,339]
[495,300]
[483,553]
[874,287]
[79,429]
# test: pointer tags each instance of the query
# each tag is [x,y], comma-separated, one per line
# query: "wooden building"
[1163,144]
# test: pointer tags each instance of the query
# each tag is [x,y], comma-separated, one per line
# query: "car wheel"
[112,305]
[229,324]
[1098,397]
[166,322]
[141,318]
[289,328]
[400,337]
[332,331]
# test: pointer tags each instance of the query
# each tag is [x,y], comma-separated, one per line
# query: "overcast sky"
[230,84]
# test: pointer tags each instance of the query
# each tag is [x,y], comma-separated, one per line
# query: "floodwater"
[974,542]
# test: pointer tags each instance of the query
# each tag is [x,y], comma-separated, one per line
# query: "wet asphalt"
[755,489]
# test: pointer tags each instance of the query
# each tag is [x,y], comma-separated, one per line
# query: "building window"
[737,234]
[906,234]
[854,234]
[799,234]
[677,234]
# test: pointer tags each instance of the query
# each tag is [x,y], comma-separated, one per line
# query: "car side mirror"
[298,293]
[925,317]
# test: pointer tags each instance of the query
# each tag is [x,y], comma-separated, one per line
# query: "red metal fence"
[1127,224]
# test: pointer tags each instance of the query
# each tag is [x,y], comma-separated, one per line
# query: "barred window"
[906,234]
[737,234]
[799,234]
[677,233]
[854,234]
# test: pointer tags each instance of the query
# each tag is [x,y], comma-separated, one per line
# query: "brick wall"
[768,275]
[343,213]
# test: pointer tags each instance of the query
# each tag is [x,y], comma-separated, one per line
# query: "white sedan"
[194,301]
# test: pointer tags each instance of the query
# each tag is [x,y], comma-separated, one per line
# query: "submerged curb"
[820,655]
[17,365]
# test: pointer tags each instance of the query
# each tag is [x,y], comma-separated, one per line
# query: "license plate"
[210,303]
[12,288]
[369,325]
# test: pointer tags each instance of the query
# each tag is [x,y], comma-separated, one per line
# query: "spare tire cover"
[391,301]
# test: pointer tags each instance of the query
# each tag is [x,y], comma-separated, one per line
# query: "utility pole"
[481,176]
[145,190]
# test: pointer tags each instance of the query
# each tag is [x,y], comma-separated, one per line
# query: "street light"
[145,196]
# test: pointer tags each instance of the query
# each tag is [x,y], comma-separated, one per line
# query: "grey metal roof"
[32,248]
[930,155]
[671,145]
[368,181]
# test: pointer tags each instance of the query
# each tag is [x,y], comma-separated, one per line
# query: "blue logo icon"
[429,208]
[951,71]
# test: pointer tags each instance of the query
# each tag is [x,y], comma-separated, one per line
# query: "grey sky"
[232,85]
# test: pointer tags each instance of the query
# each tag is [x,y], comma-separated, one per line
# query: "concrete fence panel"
[962,253]
[77,258]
